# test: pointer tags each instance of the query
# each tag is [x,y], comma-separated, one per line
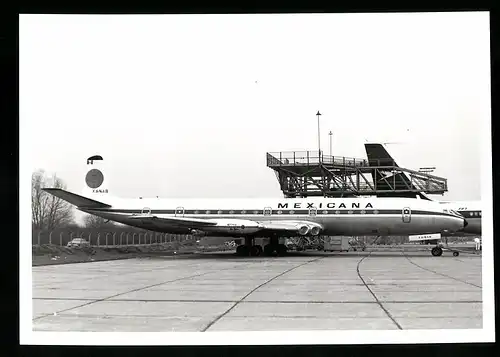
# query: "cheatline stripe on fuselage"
[215,212]
[471,213]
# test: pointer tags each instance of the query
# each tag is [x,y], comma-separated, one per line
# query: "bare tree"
[48,211]
[91,221]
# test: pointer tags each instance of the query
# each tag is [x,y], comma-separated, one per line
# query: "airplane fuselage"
[336,216]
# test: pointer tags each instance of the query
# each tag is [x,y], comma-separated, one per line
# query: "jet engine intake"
[315,230]
[304,229]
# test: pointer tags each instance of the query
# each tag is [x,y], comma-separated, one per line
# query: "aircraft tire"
[268,250]
[437,251]
[455,254]
[242,251]
[255,251]
[281,250]
[245,250]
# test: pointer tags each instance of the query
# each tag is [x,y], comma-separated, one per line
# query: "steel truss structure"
[306,173]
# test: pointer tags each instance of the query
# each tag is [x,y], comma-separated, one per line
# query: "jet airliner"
[264,218]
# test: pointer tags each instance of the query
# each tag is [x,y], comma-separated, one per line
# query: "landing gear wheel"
[437,251]
[455,254]
[268,250]
[242,250]
[255,250]
[281,250]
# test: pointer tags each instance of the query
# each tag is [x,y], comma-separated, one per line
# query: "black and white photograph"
[255,179]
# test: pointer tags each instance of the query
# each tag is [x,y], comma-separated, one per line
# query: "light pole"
[319,142]
[330,133]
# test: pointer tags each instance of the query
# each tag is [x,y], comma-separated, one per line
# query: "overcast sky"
[188,105]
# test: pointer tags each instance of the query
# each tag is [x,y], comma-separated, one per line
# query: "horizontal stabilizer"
[75,199]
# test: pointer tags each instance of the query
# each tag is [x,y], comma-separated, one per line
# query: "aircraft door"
[179,212]
[406,215]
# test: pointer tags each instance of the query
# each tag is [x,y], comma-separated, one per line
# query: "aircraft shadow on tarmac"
[311,254]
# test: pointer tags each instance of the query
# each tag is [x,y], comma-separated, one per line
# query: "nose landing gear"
[438,251]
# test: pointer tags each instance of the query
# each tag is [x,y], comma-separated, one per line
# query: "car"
[78,243]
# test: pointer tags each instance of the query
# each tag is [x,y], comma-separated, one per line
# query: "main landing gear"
[245,250]
[271,249]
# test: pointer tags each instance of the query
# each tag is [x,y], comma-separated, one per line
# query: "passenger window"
[291,212]
[325,212]
[243,212]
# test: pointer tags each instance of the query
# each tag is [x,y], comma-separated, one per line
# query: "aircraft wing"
[240,226]
[178,221]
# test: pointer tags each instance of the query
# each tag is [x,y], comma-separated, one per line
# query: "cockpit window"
[453,212]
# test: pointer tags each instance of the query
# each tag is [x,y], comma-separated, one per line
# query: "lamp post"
[330,133]
[319,142]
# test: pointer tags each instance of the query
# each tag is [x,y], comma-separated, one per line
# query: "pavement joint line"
[276,301]
[107,316]
[438,273]
[375,296]
[123,293]
[255,289]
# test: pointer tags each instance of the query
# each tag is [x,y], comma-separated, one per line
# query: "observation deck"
[306,173]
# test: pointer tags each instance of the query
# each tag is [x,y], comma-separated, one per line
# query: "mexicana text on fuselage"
[322,205]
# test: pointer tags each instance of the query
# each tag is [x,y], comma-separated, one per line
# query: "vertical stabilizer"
[96,180]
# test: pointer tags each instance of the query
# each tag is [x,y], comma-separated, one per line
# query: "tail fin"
[378,156]
[96,189]
[74,199]
[95,180]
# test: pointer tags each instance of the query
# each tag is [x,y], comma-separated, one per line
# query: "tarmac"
[223,292]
